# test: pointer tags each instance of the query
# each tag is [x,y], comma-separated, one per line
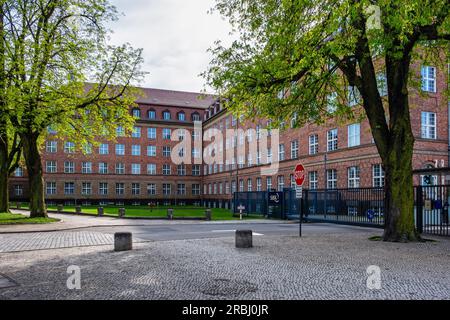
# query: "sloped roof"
[176,98]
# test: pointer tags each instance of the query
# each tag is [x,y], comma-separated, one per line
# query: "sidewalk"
[73,222]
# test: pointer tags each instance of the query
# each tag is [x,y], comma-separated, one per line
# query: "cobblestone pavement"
[70,222]
[53,240]
[325,266]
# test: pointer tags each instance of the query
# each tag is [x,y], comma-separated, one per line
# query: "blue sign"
[370,214]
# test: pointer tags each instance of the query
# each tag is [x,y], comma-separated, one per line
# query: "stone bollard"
[170,214]
[208,214]
[123,241]
[78,209]
[100,211]
[244,238]
[59,208]
[121,212]
[17,205]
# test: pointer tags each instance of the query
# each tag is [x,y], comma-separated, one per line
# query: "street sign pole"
[299,175]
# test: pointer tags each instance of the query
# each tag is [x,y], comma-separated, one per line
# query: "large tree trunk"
[399,223]
[35,175]
[4,174]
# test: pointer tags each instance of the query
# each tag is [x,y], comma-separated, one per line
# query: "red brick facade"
[431,148]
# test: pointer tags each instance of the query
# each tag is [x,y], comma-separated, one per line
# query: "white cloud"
[175,36]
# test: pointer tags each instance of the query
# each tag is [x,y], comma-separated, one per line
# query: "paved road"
[203,230]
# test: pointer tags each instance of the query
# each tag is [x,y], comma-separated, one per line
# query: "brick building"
[139,169]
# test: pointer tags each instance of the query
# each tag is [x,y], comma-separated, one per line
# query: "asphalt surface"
[216,230]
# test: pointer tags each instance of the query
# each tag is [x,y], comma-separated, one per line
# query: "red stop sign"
[299,174]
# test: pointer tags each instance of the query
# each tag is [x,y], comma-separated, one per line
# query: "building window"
[313,144]
[331,179]
[86,188]
[120,132]
[181,170]
[377,176]
[69,188]
[103,149]
[332,102]
[135,168]
[151,133]
[151,189]
[120,188]
[258,132]
[166,152]
[120,168]
[354,135]
[86,167]
[292,181]
[69,147]
[167,189]
[151,169]
[332,140]
[294,149]
[428,125]
[167,133]
[428,79]
[18,172]
[227,187]
[136,113]
[269,155]
[135,189]
[166,115]
[382,84]
[69,167]
[249,185]
[181,116]
[135,150]
[195,116]
[196,170]
[353,177]
[313,181]
[196,189]
[120,149]
[195,153]
[269,183]
[258,184]
[280,181]
[151,114]
[51,146]
[136,132]
[50,188]
[241,185]
[18,190]
[166,169]
[50,167]
[87,148]
[233,186]
[103,168]
[354,97]
[181,189]
[281,152]
[103,188]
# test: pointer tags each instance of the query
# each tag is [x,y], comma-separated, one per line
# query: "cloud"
[175,36]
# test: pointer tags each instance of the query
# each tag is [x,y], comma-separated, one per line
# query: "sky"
[175,36]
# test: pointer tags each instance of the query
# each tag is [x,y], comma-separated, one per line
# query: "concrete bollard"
[244,238]
[59,208]
[100,211]
[208,214]
[123,241]
[17,205]
[78,209]
[170,214]
[121,212]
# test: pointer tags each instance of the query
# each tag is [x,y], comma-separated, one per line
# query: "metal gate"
[431,206]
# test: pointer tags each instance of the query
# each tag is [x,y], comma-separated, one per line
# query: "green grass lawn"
[144,211]
[11,218]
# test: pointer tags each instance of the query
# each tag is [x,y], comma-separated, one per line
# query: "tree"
[312,50]
[65,76]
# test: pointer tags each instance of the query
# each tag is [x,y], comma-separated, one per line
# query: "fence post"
[419,210]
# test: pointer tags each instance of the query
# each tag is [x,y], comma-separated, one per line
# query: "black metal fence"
[431,209]
[358,206]
[253,202]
